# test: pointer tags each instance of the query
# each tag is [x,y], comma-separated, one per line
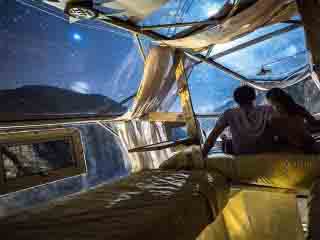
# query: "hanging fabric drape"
[138,133]
[157,92]
[158,82]
[260,14]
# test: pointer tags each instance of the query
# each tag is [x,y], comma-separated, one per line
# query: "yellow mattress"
[285,170]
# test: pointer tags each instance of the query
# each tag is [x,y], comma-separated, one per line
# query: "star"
[77,37]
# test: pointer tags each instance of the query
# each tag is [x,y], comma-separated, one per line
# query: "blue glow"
[77,37]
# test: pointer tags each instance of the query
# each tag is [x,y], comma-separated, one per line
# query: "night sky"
[38,48]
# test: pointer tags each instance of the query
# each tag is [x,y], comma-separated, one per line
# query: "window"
[31,158]
[52,68]
[211,89]
[181,11]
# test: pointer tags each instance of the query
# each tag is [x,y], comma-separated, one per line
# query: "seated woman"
[291,123]
[248,125]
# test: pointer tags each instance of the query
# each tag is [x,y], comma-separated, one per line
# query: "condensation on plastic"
[146,205]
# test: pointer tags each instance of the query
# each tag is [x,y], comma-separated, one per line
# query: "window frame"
[16,138]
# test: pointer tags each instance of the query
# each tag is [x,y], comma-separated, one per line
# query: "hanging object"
[90,9]
[264,71]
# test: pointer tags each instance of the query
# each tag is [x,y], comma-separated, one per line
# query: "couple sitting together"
[283,126]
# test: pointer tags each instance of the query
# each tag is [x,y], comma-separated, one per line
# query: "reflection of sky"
[283,54]
[41,49]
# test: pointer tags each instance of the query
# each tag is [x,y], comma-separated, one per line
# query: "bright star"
[77,37]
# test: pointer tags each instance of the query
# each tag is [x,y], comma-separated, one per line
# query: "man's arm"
[211,140]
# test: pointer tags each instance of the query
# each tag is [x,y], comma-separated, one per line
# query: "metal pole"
[186,24]
[226,70]
[115,22]
[209,61]
[141,50]
[55,121]
[255,41]
[128,99]
[208,115]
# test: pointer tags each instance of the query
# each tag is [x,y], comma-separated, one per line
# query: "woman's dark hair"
[284,101]
[244,95]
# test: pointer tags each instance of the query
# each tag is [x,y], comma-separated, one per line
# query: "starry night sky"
[38,48]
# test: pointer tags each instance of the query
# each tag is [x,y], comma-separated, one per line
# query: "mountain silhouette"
[52,100]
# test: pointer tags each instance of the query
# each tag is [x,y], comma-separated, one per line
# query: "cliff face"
[53,100]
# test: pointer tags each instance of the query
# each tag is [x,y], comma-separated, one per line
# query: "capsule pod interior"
[103,119]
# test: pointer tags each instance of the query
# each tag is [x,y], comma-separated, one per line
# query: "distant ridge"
[38,99]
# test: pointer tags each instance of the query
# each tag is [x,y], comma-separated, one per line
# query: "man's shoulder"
[260,108]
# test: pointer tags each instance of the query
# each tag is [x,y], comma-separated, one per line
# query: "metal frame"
[167,117]
[162,145]
[54,120]
[177,25]
[257,40]
[137,30]
[140,46]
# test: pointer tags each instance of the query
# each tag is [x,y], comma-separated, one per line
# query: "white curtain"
[158,82]
[138,133]
[157,92]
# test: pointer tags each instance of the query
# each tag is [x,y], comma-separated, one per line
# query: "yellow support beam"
[185,98]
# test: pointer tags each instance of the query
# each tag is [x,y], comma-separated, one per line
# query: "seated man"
[248,125]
